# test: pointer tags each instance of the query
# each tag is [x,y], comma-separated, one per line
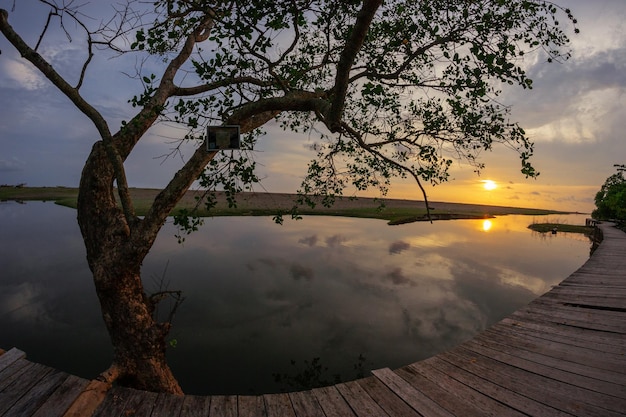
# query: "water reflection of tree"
[314,374]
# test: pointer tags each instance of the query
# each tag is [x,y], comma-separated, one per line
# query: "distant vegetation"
[268,204]
[561,227]
[611,199]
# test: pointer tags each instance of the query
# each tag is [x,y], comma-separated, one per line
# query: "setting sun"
[489,185]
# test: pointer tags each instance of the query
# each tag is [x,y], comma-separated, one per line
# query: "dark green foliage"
[611,199]
[422,90]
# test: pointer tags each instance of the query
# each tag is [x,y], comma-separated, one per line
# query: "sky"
[575,114]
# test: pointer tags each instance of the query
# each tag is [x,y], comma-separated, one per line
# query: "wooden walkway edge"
[564,354]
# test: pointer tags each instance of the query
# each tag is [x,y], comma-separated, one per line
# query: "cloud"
[397,277]
[309,240]
[398,247]
[11,165]
[300,271]
[335,240]
[21,76]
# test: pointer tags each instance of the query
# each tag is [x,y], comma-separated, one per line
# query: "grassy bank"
[268,204]
[560,227]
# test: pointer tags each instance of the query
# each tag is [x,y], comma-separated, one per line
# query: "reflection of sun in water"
[489,185]
[487,225]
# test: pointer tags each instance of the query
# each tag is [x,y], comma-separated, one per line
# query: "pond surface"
[263,300]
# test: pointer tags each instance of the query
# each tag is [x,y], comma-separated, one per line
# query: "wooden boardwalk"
[562,355]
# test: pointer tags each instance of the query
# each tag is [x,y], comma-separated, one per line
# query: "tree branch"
[348,55]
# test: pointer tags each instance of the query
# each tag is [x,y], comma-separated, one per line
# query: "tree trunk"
[115,254]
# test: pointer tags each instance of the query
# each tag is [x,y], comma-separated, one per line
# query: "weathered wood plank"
[600,347]
[442,396]
[196,406]
[251,406]
[305,404]
[9,357]
[61,399]
[413,396]
[387,399]
[36,395]
[545,315]
[557,394]
[223,406]
[609,342]
[88,401]
[516,401]
[114,403]
[168,405]
[555,350]
[9,374]
[359,400]
[332,402]
[21,382]
[487,405]
[550,366]
[278,405]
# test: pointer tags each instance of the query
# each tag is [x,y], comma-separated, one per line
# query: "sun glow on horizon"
[489,185]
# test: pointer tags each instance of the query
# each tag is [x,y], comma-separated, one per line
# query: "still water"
[263,299]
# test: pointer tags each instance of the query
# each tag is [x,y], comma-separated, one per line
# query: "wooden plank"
[571,309]
[419,401]
[61,399]
[122,402]
[223,406]
[88,401]
[487,405]
[607,342]
[140,403]
[278,405]
[553,367]
[555,350]
[21,382]
[196,406]
[359,400]
[600,347]
[555,393]
[12,372]
[114,403]
[387,399]
[332,402]
[588,290]
[168,405]
[251,406]
[444,397]
[9,357]
[544,315]
[36,395]
[506,396]
[610,305]
[305,404]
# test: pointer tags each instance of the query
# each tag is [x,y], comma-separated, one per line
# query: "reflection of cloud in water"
[398,278]
[296,270]
[483,286]
[435,240]
[335,240]
[398,247]
[23,303]
[258,295]
[309,240]
[300,271]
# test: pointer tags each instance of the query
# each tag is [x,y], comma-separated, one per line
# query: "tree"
[611,199]
[395,88]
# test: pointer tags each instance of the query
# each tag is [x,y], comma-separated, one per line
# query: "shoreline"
[395,211]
